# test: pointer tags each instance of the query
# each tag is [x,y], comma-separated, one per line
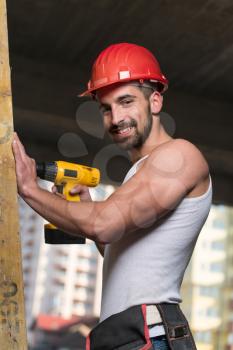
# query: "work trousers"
[159,343]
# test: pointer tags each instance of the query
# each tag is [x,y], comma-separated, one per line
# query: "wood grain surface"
[12,316]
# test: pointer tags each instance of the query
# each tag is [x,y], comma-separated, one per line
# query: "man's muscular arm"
[167,175]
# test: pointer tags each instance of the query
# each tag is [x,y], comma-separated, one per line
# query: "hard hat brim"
[90,92]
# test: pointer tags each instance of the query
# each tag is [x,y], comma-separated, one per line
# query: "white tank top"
[147,266]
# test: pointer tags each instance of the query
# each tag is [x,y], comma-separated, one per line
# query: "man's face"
[126,115]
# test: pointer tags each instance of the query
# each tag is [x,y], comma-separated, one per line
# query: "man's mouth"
[123,131]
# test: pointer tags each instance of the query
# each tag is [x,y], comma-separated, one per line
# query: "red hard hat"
[124,62]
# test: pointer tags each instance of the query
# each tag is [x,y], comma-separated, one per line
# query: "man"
[147,229]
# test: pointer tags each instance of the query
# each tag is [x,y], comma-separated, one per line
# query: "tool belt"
[128,330]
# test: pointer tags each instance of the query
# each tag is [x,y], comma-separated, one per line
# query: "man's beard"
[139,138]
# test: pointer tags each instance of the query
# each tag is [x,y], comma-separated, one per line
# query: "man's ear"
[156,102]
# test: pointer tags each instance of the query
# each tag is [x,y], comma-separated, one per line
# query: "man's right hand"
[81,190]
[84,194]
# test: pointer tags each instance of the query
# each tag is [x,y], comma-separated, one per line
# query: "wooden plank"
[12,317]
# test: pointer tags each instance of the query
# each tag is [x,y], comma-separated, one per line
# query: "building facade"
[207,287]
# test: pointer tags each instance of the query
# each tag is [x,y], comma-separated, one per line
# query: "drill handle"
[60,188]
[52,234]
[65,190]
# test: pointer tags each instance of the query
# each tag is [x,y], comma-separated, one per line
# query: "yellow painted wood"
[12,316]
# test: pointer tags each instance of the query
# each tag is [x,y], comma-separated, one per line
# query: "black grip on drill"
[56,236]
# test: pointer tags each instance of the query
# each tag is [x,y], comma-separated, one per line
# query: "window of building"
[217,267]
[29,243]
[89,308]
[218,245]
[203,337]
[209,291]
[31,229]
[33,216]
[58,283]
[219,223]
[211,312]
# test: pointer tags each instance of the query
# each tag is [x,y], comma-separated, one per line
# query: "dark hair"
[147,87]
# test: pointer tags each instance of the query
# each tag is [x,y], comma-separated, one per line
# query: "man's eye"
[126,102]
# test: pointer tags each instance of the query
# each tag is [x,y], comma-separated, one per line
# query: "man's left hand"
[25,168]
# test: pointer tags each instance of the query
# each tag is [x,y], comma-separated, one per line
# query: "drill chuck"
[47,171]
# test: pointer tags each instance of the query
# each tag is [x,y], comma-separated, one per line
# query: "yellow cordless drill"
[65,176]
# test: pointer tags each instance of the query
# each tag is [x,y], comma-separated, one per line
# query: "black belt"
[128,330]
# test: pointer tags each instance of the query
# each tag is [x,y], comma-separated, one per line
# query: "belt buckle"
[178,331]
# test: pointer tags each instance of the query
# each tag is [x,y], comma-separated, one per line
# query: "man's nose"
[117,116]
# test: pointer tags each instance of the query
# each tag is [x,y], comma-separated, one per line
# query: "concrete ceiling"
[53,45]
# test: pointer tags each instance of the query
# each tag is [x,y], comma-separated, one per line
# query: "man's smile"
[123,131]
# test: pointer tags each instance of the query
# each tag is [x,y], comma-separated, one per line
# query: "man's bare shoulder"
[179,156]
[179,143]
[192,151]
